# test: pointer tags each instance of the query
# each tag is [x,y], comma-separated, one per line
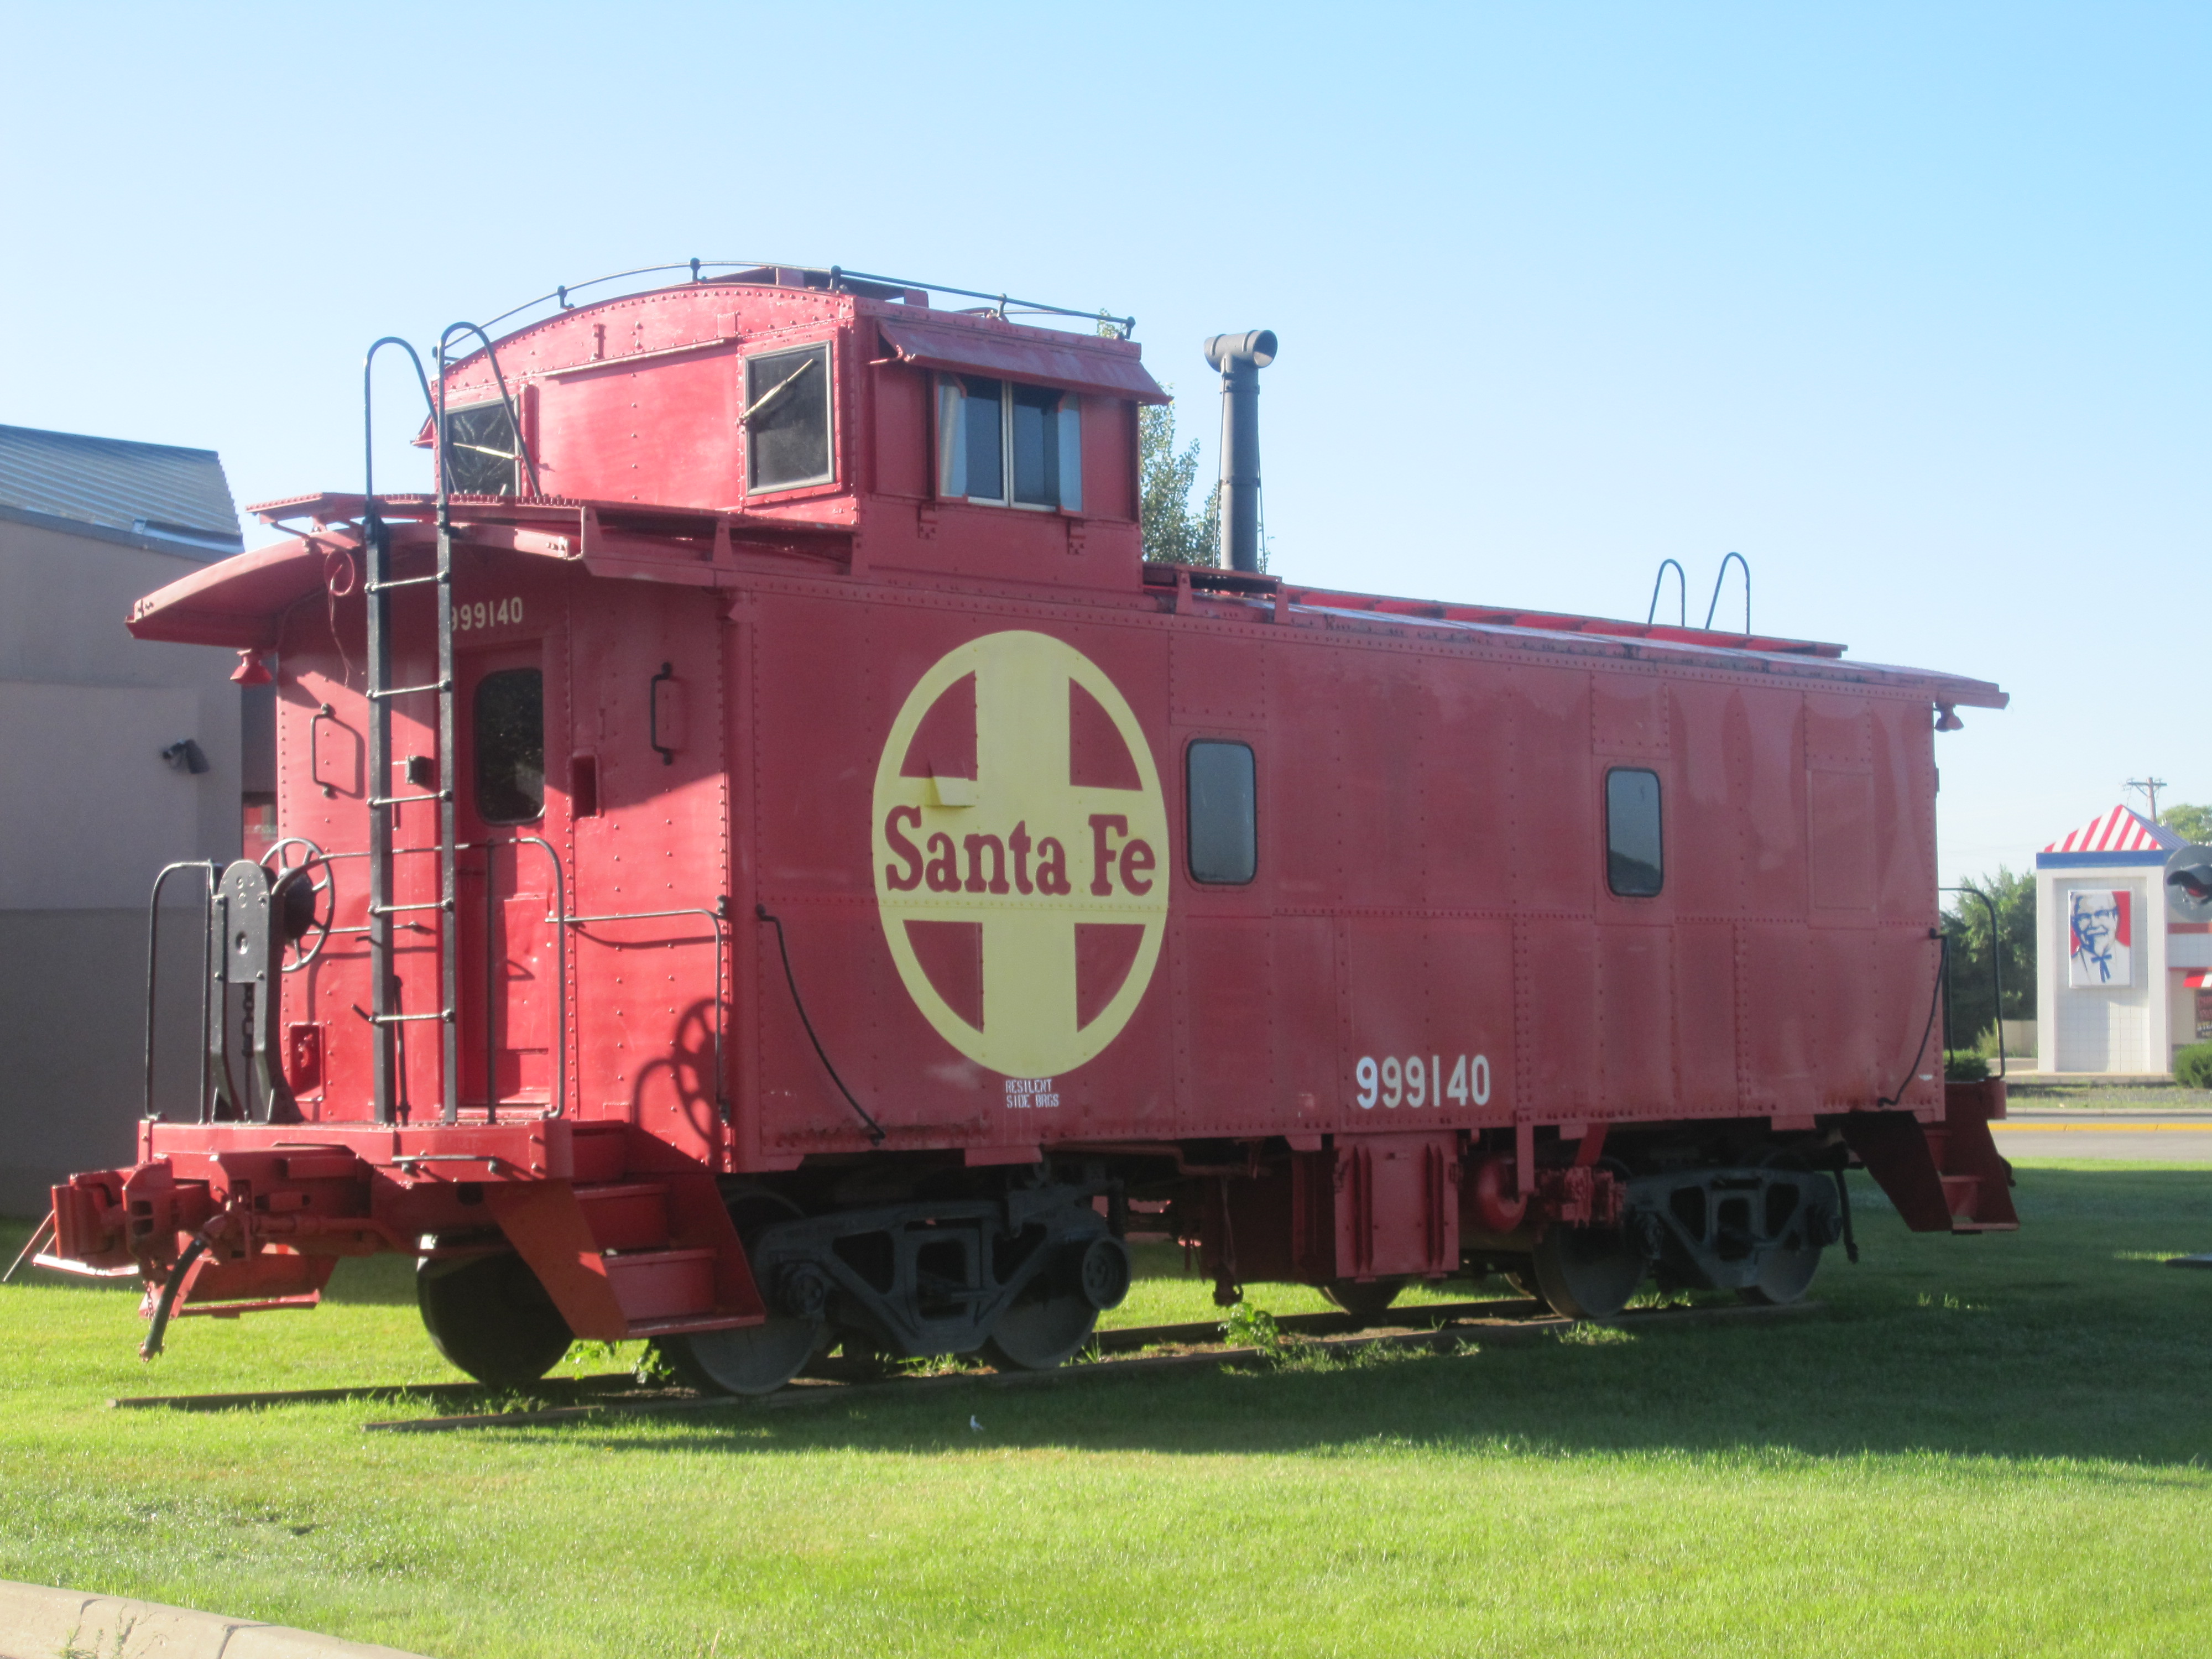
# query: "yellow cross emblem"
[1021,853]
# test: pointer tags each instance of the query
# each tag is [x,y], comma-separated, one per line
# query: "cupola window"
[1009,444]
[481,457]
[787,419]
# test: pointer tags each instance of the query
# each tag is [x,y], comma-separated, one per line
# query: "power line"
[2150,786]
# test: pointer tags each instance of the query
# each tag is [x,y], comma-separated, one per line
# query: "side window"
[1220,800]
[1009,445]
[510,745]
[1634,864]
[787,419]
[481,457]
[971,440]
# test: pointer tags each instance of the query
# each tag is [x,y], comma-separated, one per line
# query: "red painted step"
[626,1215]
[660,1285]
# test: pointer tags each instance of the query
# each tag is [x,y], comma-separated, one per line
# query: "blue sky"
[1907,303]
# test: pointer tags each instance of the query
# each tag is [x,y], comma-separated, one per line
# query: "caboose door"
[513,827]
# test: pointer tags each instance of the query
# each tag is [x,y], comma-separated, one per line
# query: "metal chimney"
[1240,357]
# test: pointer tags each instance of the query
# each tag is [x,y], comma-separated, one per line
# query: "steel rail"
[1488,1320]
[1443,1338]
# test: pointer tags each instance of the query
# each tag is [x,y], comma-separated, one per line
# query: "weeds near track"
[1249,1326]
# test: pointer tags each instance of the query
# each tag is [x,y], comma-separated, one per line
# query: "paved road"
[2140,1134]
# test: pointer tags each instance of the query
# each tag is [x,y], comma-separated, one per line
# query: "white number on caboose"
[470,614]
[1416,1080]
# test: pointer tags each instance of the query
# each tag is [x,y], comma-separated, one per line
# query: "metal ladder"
[387,1014]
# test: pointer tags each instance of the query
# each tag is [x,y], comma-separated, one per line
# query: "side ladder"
[386,995]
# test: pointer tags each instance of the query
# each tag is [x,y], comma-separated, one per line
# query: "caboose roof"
[237,602]
[697,317]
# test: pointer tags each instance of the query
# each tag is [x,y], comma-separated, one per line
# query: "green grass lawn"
[1987,1447]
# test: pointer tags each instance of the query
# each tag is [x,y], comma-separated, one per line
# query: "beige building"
[98,789]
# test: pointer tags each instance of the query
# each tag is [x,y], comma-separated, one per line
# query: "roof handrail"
[1721,577]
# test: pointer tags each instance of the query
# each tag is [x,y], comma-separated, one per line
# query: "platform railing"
[211,874]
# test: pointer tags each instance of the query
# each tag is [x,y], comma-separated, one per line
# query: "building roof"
[2123,830]
[153,494]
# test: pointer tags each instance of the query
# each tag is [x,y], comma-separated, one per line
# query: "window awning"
[1082,364]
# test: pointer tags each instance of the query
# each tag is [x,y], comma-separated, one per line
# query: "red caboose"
[765,863]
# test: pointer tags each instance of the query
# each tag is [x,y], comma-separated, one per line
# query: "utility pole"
[2150,786]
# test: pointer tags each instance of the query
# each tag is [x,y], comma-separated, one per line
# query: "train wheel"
[489,1316]
[1587,1273]
[753,1359]
[1784,1277]
[748,1360]
[1368,1302]
[1042,1331]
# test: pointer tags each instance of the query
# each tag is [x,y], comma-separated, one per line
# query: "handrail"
[513,412]
[368,425]
[560,979]
[206,867]
[1996,972]
[1682,594]
[376,554]
[836,273]
[1721,576]
[717,916]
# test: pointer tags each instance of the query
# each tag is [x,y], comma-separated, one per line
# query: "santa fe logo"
[1021,845]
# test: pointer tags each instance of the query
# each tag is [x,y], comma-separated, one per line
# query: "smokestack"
[1240,357]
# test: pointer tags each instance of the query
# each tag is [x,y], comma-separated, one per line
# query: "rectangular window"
[787,419]
[1221,813]
[982,416]
[1005,444]
[481,457]
[1634,867]
[510,745]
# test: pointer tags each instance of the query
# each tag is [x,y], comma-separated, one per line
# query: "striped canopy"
[2123,830]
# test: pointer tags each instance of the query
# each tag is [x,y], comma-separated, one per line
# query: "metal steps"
[645,1254]
[654,1281]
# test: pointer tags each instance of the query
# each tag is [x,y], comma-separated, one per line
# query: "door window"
[510,745]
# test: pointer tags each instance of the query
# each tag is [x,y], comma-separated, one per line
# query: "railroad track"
[1438,1328]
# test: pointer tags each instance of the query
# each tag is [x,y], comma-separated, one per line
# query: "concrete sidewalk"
[38,1622]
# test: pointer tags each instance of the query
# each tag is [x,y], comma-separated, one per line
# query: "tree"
[1969,1012]
[1173,534]
[2190,823]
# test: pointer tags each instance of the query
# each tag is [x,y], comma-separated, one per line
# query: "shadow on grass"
[2069,1339]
